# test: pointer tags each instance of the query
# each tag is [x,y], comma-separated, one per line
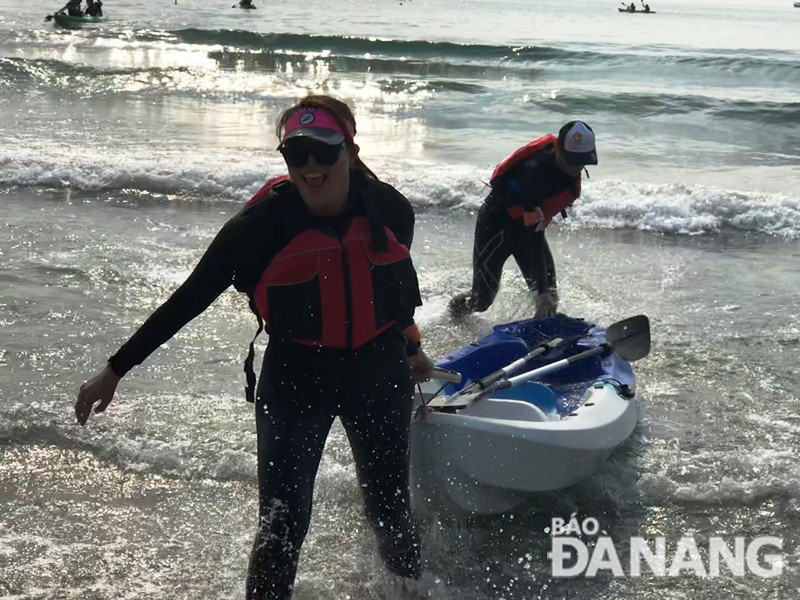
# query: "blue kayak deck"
[511,341]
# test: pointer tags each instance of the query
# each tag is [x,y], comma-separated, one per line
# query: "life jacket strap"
[249,372]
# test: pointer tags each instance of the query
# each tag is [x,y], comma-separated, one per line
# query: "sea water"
[125,147]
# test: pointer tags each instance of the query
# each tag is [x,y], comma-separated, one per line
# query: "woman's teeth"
[314,179]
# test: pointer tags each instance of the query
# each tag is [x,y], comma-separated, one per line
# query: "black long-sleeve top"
[246,244]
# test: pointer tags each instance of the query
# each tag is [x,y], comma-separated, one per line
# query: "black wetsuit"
[498,235]
[302,388]
[95,9]
[74,8]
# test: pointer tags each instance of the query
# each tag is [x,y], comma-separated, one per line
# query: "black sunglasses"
[296,153]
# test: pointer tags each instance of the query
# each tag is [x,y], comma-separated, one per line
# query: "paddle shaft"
[547,369]
[629,339]
[485,382]
[446,375]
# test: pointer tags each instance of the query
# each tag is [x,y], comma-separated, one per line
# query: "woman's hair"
[339,110]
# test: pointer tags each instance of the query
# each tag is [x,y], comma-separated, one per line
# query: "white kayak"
[489,455]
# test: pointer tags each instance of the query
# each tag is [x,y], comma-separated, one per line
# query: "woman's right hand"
[99,388]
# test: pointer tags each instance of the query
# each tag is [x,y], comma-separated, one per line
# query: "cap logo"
[578,137]
[306,118]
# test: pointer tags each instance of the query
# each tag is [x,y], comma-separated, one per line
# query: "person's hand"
[546,305]
[99,388]
[536,217]
[421,367]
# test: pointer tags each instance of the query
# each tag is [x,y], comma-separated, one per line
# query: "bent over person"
[529,188]
[323,255]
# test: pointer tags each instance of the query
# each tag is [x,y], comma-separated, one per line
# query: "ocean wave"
[439,58]
[137,177]
[611,204]
[249,74]
[686,209]
[355,46]
[486,53]
[640,104]
[240,74]
[520,58]
[80,79]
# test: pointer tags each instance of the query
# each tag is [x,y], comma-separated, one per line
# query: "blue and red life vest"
[552,205]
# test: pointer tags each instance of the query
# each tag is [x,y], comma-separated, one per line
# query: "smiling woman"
[312,147]
[323,256]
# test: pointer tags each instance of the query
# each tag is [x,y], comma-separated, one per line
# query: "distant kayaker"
[246,4]
[647,8]
[73,8]
[94,8]
[632,7]
[529,188]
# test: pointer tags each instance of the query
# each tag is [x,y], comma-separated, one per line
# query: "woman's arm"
[213,274]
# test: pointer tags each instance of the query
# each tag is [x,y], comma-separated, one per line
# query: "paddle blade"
[630,338]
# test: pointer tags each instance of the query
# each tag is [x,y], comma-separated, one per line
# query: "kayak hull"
[638,12]
[492,455]
[68,21]
[477,465]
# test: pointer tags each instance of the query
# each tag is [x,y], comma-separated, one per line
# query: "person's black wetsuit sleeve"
[398,215]
[532,196]
[212,276]
[538,258]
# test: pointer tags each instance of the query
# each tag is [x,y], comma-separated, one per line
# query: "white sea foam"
[608,204]
[685,209]
[683,477]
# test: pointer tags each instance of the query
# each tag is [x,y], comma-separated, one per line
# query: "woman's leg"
[292,428]
[377,418]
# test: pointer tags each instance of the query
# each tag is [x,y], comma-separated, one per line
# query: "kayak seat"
[532,392]
[506,409]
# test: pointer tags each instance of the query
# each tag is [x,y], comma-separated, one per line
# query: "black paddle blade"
[630,338]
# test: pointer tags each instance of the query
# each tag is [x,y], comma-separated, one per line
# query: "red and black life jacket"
[552,205]
[319,290]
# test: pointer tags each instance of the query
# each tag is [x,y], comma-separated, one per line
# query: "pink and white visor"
[318,124]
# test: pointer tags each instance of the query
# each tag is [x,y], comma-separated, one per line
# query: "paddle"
[446,375]
[482,384]
[60,10]
[629,339]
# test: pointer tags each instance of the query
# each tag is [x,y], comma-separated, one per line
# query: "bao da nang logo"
[594,551]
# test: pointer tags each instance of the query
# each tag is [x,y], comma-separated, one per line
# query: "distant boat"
[68,21]
[797,4]
[651,12]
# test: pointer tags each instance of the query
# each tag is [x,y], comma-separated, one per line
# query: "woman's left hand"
[421,367]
